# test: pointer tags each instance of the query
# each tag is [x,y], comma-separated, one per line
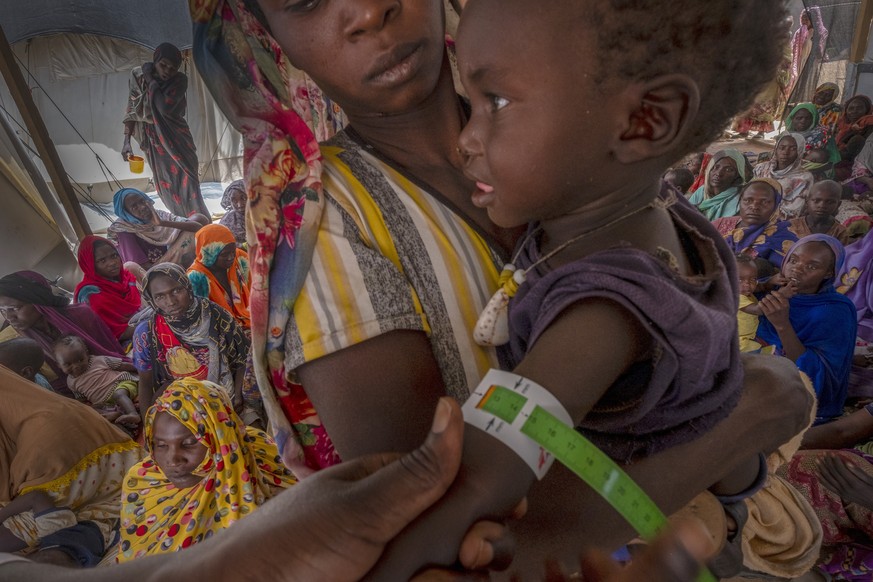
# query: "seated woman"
[234,201]
[784,166]
[107,287]
[804,120]
[33,310]
[828,110]
[205,471]
[187,337]
[855,126]
[65,451]
[816,326]
[719,197]
[819,216]
[757,231]
[146,236]
[220,272]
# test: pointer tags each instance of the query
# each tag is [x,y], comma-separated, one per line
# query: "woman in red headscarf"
[107,286]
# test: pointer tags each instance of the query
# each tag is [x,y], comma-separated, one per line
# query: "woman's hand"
[847,480]
[776,307]
[126,149]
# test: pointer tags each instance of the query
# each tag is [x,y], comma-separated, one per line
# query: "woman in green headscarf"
[719,197]
[804,119]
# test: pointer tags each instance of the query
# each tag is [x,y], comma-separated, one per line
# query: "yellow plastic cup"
[137,164]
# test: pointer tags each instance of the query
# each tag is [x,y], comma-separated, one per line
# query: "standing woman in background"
[156,118]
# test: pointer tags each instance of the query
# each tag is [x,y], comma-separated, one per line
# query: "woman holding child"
[399,206]
[812,324]
[719,197]
[107,287]
[31,307]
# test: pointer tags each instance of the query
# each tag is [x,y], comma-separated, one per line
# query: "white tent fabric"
[87,77]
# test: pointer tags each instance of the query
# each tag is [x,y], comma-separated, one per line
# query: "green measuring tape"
[578,454]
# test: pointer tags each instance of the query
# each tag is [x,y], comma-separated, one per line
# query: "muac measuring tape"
[505,400]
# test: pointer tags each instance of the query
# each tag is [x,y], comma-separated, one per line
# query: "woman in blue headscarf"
[812,324]
[146,236]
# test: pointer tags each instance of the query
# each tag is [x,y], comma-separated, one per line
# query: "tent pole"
[862,31]
[38,132]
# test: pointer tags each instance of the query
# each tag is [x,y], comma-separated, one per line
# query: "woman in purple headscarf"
[30,306]
[156,118]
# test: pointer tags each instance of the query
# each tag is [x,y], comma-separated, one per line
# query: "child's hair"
[765,268]
[21,352]
[639,40]
[71,341]
[682,178]
[743,259]
[833,187]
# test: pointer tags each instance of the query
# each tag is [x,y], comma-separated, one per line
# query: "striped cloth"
[392,256]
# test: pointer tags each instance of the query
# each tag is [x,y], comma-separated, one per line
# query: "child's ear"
[27,372]
[660,118]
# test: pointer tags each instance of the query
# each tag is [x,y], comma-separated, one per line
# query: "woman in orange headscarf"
[220,272]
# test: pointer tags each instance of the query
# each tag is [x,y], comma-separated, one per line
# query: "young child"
[25,357]
[680,178]
[625,308]
[29,518]
[99,380]
[753,275]
[819,215]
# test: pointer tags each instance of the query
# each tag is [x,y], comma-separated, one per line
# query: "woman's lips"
[396,66]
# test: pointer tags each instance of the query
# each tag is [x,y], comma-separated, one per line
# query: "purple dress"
[694,376]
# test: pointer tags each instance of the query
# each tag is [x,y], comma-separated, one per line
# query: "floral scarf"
[282,114]
[241,470]
[829,113]
[211,240]
[114,301]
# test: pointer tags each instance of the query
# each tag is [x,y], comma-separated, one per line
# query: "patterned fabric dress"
[241,470]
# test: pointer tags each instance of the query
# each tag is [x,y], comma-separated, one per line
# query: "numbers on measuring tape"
[509,405]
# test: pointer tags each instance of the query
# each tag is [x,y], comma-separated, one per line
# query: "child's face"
[694,162]
[72,359]
[522,142]
[809,265]
[107,263]
[238,201]
[816,156]
[748,274]
[176,450]
[369,59]
[170,297]
[802,121]
[822,202]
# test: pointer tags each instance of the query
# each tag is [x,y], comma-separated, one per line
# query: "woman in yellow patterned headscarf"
[168,506]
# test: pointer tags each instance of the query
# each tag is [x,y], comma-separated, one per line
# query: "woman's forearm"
[791,344]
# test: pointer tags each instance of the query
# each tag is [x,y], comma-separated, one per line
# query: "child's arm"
[752,309]
[131,416]
[120,365]
[493,478]
[35,501]
[146,390]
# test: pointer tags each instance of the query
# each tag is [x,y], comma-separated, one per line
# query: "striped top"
[392,256]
